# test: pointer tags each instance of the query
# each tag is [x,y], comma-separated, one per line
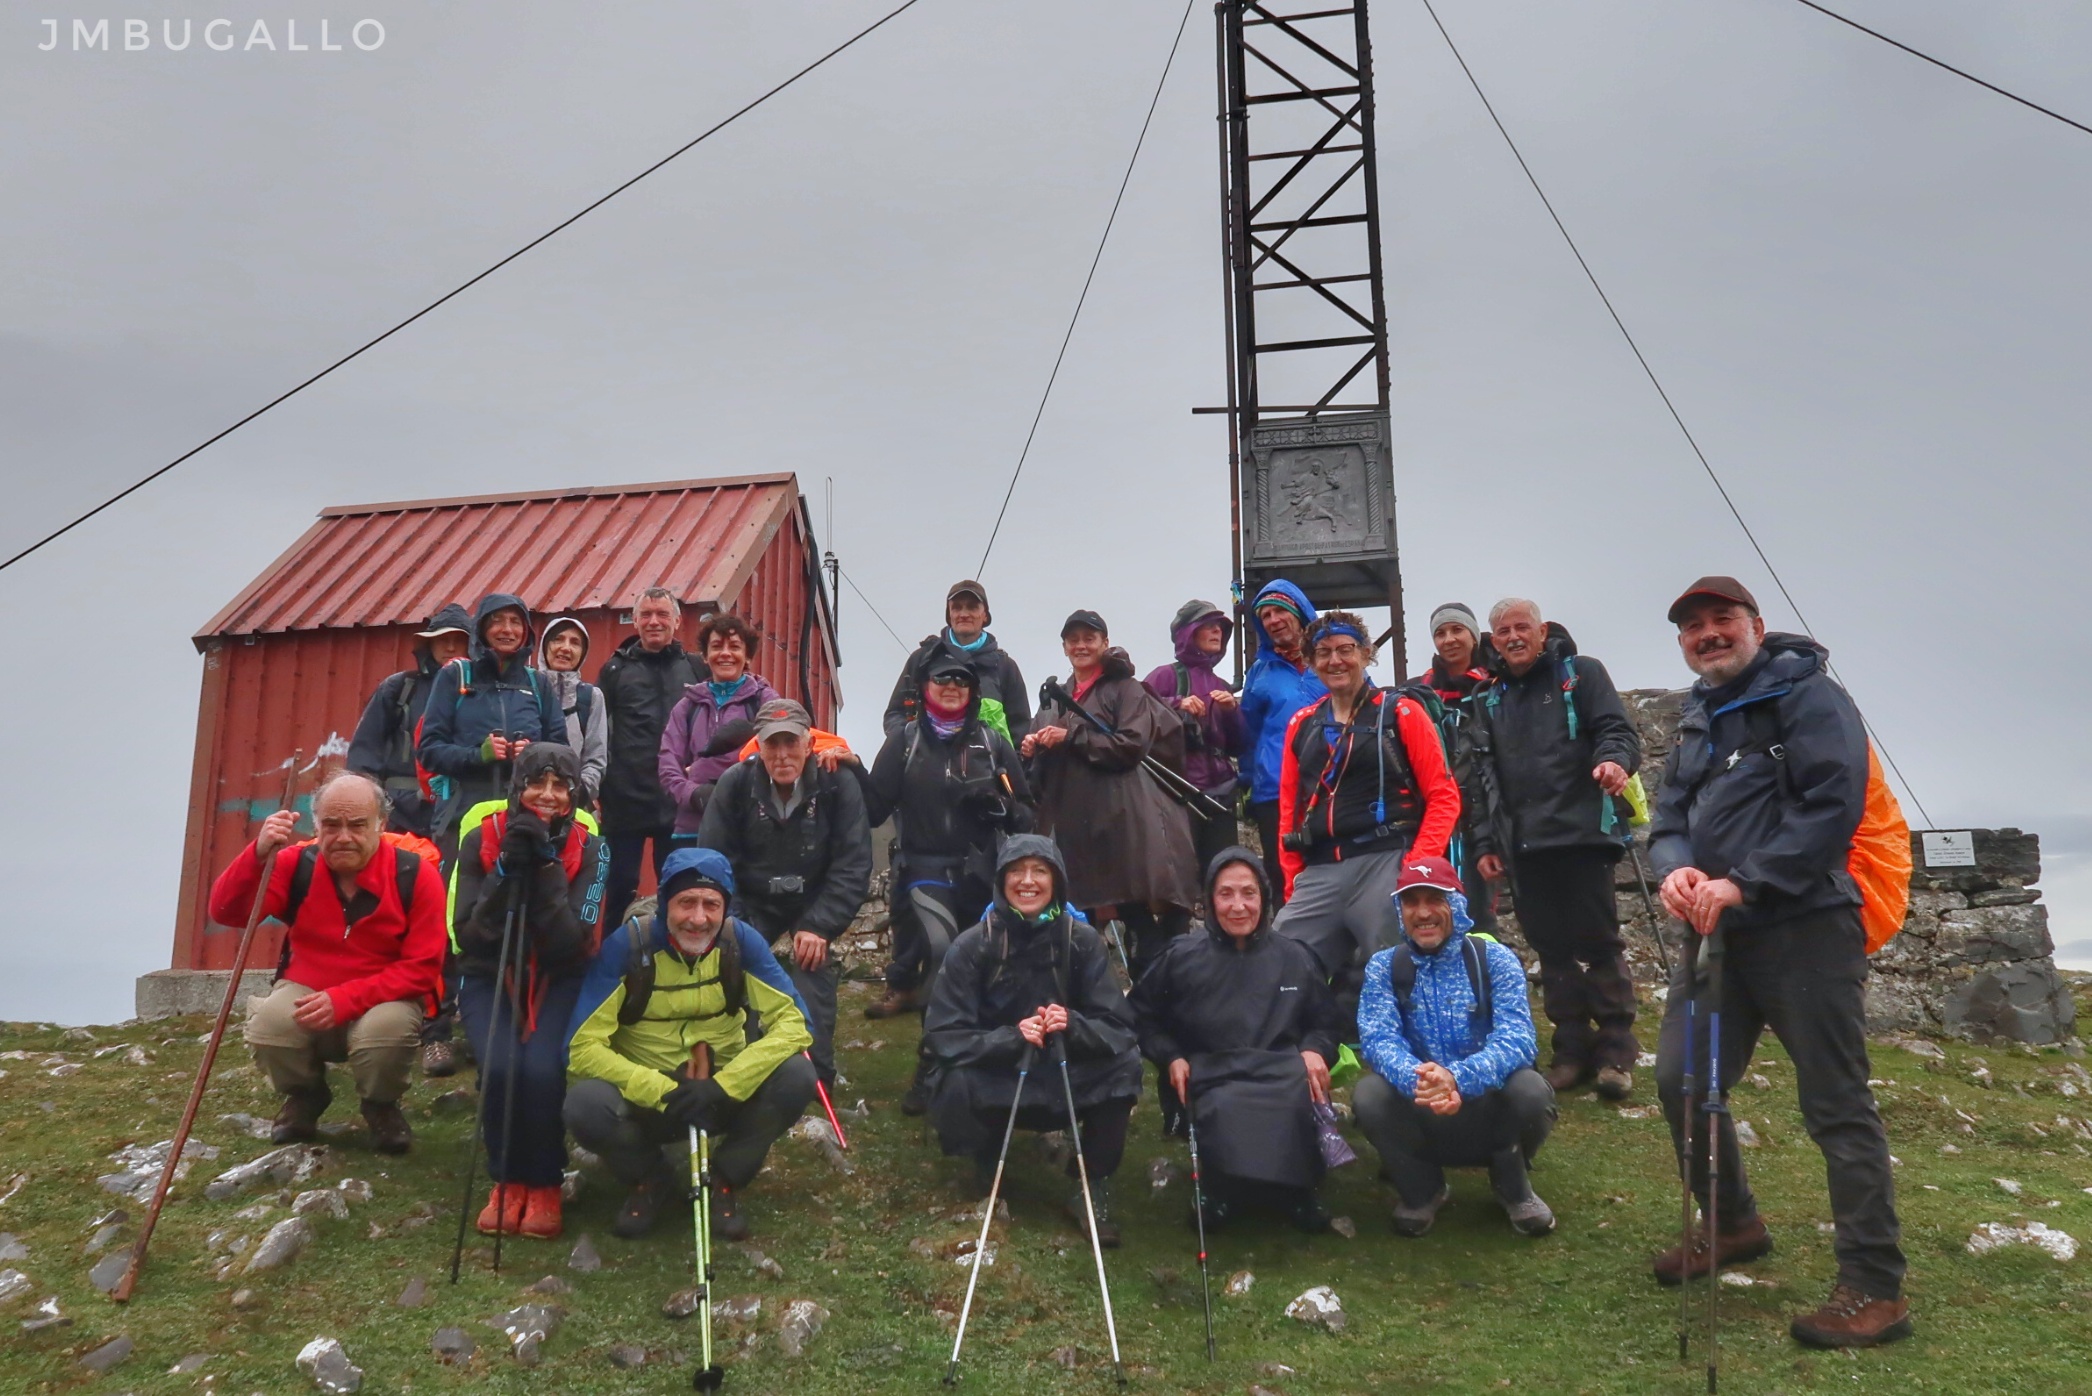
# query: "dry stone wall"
[1974,959]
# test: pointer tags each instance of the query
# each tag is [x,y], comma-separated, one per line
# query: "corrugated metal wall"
[265,696]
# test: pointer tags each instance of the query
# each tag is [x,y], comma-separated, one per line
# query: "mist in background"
[1861,279]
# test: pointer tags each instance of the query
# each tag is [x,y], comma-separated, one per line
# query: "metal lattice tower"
[1309,452]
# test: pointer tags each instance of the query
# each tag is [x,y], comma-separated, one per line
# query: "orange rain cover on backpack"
[1880,859]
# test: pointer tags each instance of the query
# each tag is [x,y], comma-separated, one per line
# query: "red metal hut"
[290,662]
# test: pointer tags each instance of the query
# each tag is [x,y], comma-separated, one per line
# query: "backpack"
[1425,697]
[1401,977]
[409,849]
[639,973]
[1879,862]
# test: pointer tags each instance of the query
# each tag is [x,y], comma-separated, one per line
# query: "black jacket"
[1241,1013]
[1538,736]
[950,797]
[383,747]
[824,843]
[560,919]
[999,675]
[1727,808]
[638,690]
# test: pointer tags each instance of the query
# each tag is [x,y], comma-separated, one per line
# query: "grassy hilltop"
[1470,1308]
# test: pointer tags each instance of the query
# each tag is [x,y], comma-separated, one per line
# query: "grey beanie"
[1456,611]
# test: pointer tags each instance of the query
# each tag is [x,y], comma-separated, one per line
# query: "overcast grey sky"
[1862,280]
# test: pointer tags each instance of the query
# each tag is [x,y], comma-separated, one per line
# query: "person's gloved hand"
[692,1104]
[525,842]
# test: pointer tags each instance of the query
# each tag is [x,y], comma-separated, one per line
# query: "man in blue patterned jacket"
[1446,1028]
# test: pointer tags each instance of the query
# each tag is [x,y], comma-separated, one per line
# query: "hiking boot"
[1747,1240]
[541,1213]
[1309,1215]
[1416,1221]
[389,1130]
[895,1004]
[1566,1076]
[643,1206]
[727,1221]
[1614,1082]
[1850,1319]
[504,1210]
[1507,1179]
[438,1059]
[1100,1202]
[298,1120]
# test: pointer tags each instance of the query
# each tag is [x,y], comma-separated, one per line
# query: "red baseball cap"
[1428,872]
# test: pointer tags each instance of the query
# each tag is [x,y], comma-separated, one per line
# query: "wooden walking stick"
[122,1293]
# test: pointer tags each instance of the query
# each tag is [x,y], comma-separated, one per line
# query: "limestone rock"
[746,1308]
[109,1270]
[414,1295]
[320,1202]
[13,1285]
[1318,1307]
[550,1285]
[802,1320]
[1992,1236]
[1238,1284]
[139,1167]
[293,1163]
[245,1299]
[2023,1002]
[452,1346]
[107,1355]
[323,1360]
[528,1326]
[189,1365]
[45,1315]
[251,1126]
[285,1242]
[1981,935]
[12,1247]
[1161,1173]
[353,1190]
[627,1356]
[683,1303]
[103,1238]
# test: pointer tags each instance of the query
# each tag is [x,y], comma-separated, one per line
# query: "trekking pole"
[1689,1116]
[951,1370]
[1716,1107]
[1198,1210]
[709,1376]
[122,1293]
[1089,1207]
[515,1052]
[1115,937]
[479,1125]
[1656,923]
[828,1104]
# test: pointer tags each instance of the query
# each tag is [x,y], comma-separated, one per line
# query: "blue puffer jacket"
[479,697]
[1272,692]
[1445,1030]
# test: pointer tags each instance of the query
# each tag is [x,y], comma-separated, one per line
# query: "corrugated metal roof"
[560,550]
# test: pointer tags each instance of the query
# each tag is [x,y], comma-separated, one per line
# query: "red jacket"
[382,957]
[1435,787]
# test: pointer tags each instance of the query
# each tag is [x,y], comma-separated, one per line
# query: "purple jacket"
[686,776]
[1208,765]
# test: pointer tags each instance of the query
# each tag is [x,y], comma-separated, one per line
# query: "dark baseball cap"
[1427,872]
[969,587]
[1713,589]
[781,715]
[951,668]
[1085,620]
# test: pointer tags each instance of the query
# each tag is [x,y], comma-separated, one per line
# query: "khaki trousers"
[380,1047]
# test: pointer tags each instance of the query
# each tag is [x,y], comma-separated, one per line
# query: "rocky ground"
[322,1268]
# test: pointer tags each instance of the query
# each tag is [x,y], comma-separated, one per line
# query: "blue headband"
[1341,627]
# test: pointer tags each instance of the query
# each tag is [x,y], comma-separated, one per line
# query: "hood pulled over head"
[553,627]
[499,601]
[1284,593]
[1184,629]
[1031,846]
[1227,858]
[1462,922]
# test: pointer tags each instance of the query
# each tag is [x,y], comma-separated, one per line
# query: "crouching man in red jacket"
[362,963]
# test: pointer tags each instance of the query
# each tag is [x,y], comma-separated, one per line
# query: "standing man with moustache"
[1754,826]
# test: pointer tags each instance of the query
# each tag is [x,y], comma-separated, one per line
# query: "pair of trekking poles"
[1058,1051]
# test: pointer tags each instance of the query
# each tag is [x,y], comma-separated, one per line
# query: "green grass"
[1470,1308]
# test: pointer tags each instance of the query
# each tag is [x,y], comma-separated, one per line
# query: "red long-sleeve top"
[382,956]
[1433,786]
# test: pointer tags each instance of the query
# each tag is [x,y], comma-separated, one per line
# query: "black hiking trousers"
[1566,909]
[1805,978]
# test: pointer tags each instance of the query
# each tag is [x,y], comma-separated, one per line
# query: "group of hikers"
[1068,880]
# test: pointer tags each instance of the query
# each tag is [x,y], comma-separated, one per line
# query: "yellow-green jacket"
[688,1005]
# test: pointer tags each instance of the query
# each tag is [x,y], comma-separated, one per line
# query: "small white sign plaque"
[1951,849]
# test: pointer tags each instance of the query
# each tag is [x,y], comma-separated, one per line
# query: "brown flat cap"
[1713,589]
